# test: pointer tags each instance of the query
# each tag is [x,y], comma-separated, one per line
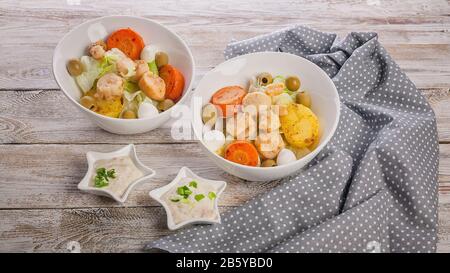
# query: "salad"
[124,78]
[269,123]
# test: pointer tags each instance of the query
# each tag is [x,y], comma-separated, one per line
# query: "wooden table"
[44,138]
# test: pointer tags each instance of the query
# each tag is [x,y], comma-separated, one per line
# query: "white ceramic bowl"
[74,44]
[238,71]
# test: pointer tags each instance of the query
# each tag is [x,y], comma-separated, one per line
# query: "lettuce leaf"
[278,79]
[153,68]
[282,99]
[107,65]
[131,86]
[91,72]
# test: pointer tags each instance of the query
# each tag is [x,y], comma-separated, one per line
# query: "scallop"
[285,156]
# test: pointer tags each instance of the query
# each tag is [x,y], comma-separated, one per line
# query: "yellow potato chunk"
[111,108]
[300,126]
[107,107]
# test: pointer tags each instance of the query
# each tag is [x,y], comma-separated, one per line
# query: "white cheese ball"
[214,140]
[147,109]
[148,53]
[285,156]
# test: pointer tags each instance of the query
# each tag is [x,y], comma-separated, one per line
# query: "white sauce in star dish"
[191,199]
[119,172]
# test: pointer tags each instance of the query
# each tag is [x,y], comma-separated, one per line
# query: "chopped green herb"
[211,195]
[199,197]
[185,201]
[111,173]
[184,191]
[175,199]
[103,176]
[193,184]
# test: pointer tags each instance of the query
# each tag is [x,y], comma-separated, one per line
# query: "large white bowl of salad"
[264,116]
[126,73]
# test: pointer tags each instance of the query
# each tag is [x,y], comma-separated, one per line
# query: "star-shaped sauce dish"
[182,179]
[92,157]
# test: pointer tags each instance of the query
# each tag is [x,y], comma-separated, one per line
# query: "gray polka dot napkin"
[372,189]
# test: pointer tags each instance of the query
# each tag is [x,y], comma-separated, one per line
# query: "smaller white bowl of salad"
[126,73]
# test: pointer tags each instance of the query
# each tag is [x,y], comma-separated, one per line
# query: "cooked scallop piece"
[153,86]
[97,51]
[109,85]
[269,144]
[126,67]
[275,89]
[141,69]
[268,121]
[241,126]
[257,100]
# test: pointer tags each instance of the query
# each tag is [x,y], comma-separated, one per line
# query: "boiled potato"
[300,126]
[111,107]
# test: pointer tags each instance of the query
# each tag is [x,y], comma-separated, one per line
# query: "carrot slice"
[230,96]
[242,152]
[174,81]
[128,41]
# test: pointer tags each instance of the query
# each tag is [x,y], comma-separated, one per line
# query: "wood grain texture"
[47,116]
[416,34]
[46,176]
[43,138]
[109,229]
[96,229]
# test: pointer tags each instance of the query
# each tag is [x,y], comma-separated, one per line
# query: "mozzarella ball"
[147,109]
[285,156]
[214,140]
[148,53]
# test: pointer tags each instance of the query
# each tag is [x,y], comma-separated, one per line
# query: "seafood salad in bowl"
[124,78]
[265,115]
[269,124]
[125,72]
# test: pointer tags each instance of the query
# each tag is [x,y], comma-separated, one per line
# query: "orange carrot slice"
[174,81]
[242,152]
[230,96]
[128,41]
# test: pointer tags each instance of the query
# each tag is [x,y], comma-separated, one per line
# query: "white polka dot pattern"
[374,187]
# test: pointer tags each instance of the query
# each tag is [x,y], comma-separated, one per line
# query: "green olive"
[264,79]
[303,98]
[209,114]
[128,114]
[293,83]
[88,102]
[165,104]
[161,59]
[74,67]
[268,163]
